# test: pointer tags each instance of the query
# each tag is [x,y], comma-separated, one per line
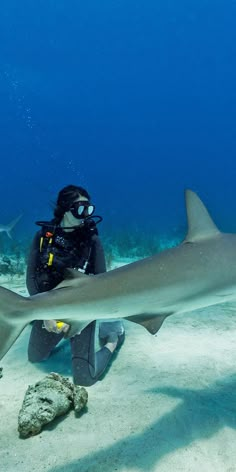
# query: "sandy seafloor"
[167,402]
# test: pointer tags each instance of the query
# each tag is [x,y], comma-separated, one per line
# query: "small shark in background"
[8,228]
[199,272]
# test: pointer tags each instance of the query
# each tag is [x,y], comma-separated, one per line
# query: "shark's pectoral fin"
[8,335]
[151,322]
[71,278]
[13,318]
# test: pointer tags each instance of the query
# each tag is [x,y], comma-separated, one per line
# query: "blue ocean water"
[133,100]
[136,101]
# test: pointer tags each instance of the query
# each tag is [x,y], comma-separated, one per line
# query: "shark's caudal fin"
[200,224]
[11,226]
[9,329]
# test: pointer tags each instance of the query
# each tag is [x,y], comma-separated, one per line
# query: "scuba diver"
[70,240]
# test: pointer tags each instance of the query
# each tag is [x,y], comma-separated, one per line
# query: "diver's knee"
[34,359]
[35,356]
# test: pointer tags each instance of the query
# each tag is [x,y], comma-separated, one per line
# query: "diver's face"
[69,219]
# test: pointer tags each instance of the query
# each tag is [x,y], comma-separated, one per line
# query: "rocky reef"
[80,398]
[52,396]
[12,265]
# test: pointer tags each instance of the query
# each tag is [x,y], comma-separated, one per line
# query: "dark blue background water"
[133,100]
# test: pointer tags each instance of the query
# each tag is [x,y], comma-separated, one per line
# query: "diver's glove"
[54,326]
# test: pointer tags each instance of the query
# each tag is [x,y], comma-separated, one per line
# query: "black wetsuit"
[80,249]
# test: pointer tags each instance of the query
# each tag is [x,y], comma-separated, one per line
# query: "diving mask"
[82,209]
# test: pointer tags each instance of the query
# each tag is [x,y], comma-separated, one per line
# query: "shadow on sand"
[199,415]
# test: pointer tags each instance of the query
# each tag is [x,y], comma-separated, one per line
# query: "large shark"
[199,272]
[8,228]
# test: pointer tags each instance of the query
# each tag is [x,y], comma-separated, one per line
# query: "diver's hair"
[65,198]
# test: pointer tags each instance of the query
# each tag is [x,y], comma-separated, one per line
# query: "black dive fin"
[151,322]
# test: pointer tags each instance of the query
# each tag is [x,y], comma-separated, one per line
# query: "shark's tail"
[11,321]
[11,225]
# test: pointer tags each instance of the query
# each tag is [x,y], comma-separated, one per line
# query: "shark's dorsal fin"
[200,224]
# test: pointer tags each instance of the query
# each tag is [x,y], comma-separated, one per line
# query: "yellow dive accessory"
[49,238]
[60,324]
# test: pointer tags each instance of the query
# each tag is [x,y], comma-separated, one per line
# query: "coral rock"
[50,397]
[80,398]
